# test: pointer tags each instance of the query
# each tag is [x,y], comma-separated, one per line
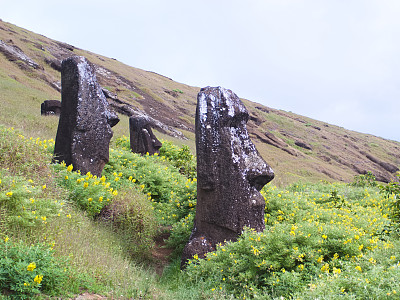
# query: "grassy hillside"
[297,147]
[64,234]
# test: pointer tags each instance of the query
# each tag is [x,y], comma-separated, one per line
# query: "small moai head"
[84,129]
[50,107]
[142,138]
[230,173]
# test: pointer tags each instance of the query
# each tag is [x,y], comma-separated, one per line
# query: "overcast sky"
[336,61]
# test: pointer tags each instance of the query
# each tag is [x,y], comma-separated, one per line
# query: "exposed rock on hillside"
[272,140]
[15,54]
[302,144]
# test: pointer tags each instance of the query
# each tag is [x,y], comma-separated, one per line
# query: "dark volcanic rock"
[271,139]
[303,145]
[387,166]
[142,137]
[50,107]
[54,63]
[15,54]
[230,173]
[84,130]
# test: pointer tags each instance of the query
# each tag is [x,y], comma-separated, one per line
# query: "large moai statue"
[84,129]
[142,138]
[230,173]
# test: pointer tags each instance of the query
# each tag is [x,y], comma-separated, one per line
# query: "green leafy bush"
[180,157]
[25,204]
[392,191]
[180,234]
[88,192]
[364,180]
[308,238]
[26,271]
[178,91]
[173,194]
[131,216]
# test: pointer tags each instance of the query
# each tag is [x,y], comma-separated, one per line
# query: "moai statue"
[230,173]
[84,129]
[50,107]
[142,137]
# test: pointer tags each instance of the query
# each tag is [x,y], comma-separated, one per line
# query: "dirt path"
[160,253]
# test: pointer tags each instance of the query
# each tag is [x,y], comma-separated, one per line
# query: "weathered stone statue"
[230,173]
[84,129]
[142,137]
[50,107]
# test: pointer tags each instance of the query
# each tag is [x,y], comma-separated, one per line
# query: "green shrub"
[180,234]
[178,91]
[173,195]
[29,270]
[88,192]
[392,191]
[312,233]
[24,204]
[180,157]
[368,179]
[131,216]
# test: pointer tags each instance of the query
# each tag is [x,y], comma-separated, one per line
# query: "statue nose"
[259,173]
[260,179]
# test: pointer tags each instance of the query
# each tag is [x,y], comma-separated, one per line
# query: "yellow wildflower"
[9,194]
[31,266]
[325,268]
[38,279]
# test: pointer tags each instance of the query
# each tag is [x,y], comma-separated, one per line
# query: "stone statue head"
[142,138]
[230,172]
[84,129]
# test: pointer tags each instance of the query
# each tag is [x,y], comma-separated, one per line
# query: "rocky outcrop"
[15,54]
[84,129]
[303,145]
[387,166]
[125,108]
[270,139]
[230,173]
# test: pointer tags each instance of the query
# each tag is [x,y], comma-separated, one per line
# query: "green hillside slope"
[297,147]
